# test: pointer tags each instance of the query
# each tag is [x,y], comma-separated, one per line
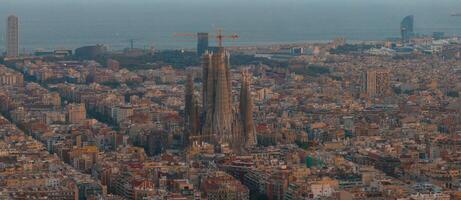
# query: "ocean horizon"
[51,24]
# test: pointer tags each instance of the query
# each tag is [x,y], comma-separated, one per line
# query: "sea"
[53,24]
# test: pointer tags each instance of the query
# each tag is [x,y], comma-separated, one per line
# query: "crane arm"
[219,36]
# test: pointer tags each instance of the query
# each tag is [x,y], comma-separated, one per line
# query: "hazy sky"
[445,3]
[76,22]
[219,1]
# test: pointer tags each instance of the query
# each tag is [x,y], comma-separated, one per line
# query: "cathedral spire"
[246,110]
[217,99]
[189,92]
[190,111]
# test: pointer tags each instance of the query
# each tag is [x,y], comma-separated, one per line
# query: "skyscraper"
[406,28]
[217,92]
[246,110]
[202,43]
[12,36]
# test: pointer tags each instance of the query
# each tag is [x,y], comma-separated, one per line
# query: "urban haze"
[230,99]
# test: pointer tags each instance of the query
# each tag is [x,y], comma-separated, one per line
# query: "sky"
[70,23]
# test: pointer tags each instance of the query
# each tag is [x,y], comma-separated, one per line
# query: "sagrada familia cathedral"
[217,121]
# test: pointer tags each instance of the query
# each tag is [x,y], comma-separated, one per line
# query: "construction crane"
[131,42]
[219,36]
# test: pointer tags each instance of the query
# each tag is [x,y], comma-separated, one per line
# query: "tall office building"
[217,91]
[202,43]
[407,28]
[376,82]
[246,110]
[12,36]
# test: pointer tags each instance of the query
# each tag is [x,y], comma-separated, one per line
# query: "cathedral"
[218,122]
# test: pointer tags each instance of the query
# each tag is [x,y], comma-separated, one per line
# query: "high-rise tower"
[202,43]
[246,111]
[407,29]
[217,91]
[12,36]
